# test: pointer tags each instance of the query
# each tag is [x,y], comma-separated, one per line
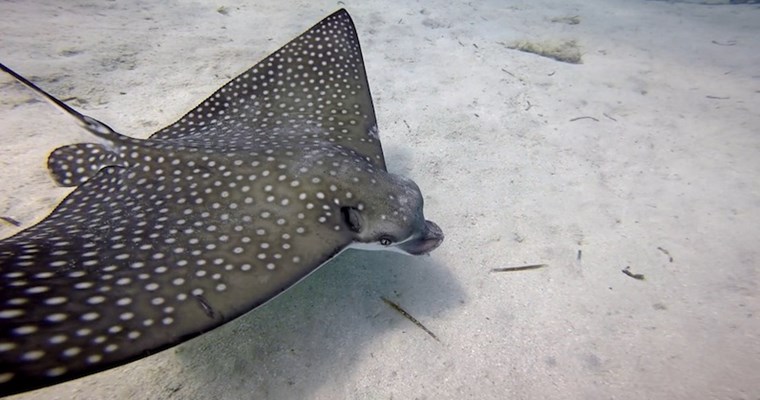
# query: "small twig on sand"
[409,317]
[520,268]
[11,221]
[667,253]
[513,75]
[586,117]
[728,43]
[627,271]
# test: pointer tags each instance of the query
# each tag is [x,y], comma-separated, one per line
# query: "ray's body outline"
[269,178]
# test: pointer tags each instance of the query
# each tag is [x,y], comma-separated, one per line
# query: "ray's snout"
[430,238]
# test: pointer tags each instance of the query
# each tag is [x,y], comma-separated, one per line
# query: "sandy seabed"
[644,156]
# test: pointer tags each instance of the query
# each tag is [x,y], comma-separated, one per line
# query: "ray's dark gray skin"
[269,178]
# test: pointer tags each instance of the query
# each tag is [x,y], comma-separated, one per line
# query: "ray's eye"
[385,241]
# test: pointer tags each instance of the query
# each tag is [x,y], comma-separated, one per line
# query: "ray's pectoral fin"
[75,164]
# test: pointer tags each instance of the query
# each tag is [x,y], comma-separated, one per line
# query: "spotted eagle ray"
[276,173]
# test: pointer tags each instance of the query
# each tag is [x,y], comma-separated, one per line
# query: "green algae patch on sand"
[566,51]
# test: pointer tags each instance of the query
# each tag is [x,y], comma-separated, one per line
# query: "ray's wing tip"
[342,13]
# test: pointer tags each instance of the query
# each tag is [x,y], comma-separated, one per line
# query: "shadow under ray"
[314,332]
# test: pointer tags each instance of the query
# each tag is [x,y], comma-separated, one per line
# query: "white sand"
[487,134]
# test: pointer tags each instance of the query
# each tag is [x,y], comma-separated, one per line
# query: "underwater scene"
[380,200]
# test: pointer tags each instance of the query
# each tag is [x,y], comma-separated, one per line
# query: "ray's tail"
[74,164]
[91,124]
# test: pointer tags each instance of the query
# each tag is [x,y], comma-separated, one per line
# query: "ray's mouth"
[431,238]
